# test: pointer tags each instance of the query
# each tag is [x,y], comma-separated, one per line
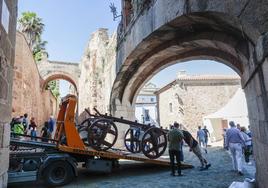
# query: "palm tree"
[32,27]
[39,50]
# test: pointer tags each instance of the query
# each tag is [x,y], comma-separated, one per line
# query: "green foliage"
[39,50]
[32,27]
[54,88]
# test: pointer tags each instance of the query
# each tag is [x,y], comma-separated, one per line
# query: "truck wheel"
[58,173]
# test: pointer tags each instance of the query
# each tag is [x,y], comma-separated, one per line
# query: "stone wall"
[28,96]
[8,19]
[193,99]
[97,72]
[256,89]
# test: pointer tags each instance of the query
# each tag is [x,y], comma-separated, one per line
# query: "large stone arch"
[208,35]
[230,32]
[52,70]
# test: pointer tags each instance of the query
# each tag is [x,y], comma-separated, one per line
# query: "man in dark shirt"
[193,144]
[175,137]
[45,133]
[207,134]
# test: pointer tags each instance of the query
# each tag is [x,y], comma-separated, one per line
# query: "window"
[152,99]
[170,108]
[146,115]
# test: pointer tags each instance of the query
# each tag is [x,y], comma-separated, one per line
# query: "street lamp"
[114,11]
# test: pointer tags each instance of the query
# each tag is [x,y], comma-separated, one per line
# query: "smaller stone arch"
[56,76]
[52,70]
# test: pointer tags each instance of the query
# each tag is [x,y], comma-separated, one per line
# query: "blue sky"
[69,24]
[195,67]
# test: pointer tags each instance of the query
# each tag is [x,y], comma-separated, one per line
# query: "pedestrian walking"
[45,133]
[224,138]
[175,138]
[25,123]
[235,142]
[238,126]
[18,127]
[51,125]
[249,132]
[194,147]
[201,138]
[12,123]
[33,128]
[248,144]
[207,134]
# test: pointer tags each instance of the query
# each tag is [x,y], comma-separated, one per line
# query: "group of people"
[21,126]
[176,136]
[202,137]
[238,140]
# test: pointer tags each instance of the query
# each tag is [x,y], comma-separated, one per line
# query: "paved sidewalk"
[133,175]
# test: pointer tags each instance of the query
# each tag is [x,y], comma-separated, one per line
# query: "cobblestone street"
[132,174]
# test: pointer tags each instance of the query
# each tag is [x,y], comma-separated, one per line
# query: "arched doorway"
[207,35]
[59,76]
[60,86]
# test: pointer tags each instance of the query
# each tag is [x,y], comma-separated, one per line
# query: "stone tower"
[97,71]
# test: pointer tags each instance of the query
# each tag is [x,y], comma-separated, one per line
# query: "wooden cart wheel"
[102,134]
[83,129]
[154,143]
[132,141]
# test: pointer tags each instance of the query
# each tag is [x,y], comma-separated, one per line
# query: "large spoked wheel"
[83,130]
[58,173]
[83,133]
[102,134]
[154,143]
[132,141]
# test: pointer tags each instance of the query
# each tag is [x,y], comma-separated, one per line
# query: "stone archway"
[58,76]
[196,34]
[200,38]
[52,70]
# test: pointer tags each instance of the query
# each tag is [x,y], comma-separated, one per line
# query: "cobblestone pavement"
[132,174]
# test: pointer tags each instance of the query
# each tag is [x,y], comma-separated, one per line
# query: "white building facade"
[146,105]
[189,98]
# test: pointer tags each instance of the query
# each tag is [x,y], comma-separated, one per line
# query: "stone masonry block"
[263,132]
[253,108]
[4,160]
[255,128]
[3,180]
[6,135]
[262,47]
[257,85]
[260,155]
[1,134]
[265,73]
[260,103]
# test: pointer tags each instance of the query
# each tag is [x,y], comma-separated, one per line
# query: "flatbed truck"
[56,161]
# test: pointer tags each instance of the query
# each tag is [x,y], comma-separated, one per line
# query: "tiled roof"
[208,77]
[198,78]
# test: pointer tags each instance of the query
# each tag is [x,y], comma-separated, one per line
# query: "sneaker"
[208,165]
[180,174]
[172,174]
[240,173]
[203,168]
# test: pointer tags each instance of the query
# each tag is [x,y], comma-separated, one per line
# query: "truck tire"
[58,173]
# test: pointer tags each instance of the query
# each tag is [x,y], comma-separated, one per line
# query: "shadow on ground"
[133,174]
